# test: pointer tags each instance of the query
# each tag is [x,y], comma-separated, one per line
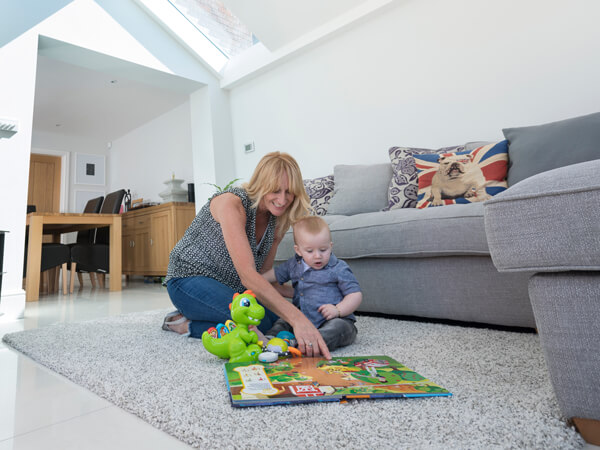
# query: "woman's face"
[279,201]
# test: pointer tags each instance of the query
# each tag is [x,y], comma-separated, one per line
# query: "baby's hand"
[329,311]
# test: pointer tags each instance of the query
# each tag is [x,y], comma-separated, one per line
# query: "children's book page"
[302,380]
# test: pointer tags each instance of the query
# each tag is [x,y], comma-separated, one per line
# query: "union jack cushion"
[482,172]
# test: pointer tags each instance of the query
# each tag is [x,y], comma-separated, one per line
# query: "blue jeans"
[205,302]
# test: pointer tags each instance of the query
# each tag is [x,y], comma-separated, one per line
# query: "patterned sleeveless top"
[202,251]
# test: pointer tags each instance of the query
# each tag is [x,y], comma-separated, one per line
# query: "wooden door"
[44,183]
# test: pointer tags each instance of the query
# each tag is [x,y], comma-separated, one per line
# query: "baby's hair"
[310,224]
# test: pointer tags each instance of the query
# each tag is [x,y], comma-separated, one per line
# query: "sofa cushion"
[403,187]
[548,222]
[405,232]
[539,148]
[360,188]
[320,191]
[491,159]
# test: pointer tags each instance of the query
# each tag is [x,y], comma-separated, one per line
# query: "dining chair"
[95,257]
[93,206]
[54,254]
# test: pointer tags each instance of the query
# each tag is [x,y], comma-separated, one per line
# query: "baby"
[325,288]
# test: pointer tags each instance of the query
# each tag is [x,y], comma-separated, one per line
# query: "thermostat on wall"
[249,147]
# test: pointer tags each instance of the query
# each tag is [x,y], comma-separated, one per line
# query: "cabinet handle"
[133,243]
[151,242]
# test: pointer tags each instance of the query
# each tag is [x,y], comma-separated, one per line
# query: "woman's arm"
[284,289]
[228,211]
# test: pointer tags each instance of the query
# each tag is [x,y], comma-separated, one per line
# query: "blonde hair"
[312,225]
[266,179]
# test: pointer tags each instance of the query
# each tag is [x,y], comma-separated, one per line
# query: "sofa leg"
[589,429]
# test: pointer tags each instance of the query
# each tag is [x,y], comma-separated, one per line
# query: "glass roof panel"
[216,23]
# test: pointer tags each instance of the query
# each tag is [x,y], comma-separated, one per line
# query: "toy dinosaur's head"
[246,310]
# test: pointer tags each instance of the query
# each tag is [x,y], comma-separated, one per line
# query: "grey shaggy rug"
[502,397]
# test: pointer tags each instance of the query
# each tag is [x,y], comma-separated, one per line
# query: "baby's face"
[315,249]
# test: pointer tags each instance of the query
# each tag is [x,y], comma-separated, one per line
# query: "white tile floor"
[40,409]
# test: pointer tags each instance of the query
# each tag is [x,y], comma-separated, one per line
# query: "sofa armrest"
[549,222]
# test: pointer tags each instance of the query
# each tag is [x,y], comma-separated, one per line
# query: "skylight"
[206,27]
[217,23]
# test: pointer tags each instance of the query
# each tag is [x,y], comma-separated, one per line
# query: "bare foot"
[180,328]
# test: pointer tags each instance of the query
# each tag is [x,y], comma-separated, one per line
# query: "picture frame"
[90,169]
[82,197]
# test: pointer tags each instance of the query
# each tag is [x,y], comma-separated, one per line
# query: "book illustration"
[300,380]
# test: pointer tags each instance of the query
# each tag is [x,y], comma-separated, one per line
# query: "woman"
[232,240]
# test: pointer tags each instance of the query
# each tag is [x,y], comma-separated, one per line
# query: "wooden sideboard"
[149,235]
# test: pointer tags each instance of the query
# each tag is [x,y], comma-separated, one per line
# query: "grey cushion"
[567,313]
[450,231]
[539,148]
[360,188]
[548,222]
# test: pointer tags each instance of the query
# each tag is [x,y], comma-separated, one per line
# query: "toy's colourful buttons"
[213,332]
[230,324]
[222,330]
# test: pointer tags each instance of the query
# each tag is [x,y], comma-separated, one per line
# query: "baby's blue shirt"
[313,288]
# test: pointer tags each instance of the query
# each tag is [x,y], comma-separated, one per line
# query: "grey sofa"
[431,263]
[550,224]
[435,263]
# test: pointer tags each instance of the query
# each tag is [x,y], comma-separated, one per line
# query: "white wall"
[425,73]
[115,28]
[16,99]
[147,156]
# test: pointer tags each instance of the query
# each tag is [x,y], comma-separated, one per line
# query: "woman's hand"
[310,341]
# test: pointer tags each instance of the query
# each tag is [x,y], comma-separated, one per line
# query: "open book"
[304,380]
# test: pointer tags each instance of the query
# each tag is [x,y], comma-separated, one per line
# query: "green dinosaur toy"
[239,345]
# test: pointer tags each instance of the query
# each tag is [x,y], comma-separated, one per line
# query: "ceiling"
[99,97]
[277,23]
[84,93]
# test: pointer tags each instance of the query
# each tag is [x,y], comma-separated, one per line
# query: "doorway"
[44,182]
[44,193]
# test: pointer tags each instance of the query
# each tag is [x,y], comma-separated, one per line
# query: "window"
[217,23]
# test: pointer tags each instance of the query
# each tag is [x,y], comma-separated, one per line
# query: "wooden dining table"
[55,224]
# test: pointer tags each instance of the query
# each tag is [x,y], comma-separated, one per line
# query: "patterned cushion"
[320,191]
[402,192]
[484,174]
